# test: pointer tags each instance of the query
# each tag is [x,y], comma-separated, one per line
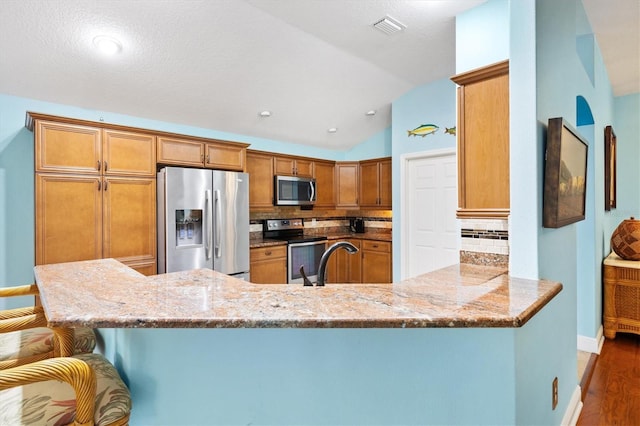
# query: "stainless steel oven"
[301,250]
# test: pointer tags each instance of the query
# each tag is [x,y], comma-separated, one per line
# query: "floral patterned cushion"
[32,341]
[53,402]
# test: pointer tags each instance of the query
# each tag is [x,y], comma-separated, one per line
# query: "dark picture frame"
[610,154]
[565,175]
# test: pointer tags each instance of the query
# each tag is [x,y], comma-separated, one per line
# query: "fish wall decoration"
[450,130]
[423,130]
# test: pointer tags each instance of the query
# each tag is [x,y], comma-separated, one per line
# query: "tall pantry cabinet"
[95,193]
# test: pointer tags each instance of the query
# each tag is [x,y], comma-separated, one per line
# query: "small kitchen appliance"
[356,225]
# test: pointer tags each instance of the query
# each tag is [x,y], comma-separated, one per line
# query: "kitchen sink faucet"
[322,268]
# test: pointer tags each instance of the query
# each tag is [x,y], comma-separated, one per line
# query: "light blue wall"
[325,376]
[433,103]
[626,125]
[377,146]
[482,35]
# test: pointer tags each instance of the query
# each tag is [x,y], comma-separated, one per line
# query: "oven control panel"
[283,224]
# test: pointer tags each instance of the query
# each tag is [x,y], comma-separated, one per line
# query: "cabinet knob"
[267,253]
[99,185]
[98,166]
[106,166]
[207,158]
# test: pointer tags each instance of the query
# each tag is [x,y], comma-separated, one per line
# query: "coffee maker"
[356,224]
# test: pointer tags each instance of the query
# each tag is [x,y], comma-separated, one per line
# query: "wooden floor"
[613,395]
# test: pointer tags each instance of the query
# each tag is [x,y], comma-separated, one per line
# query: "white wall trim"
[573,409]
[591,344]
[404,160]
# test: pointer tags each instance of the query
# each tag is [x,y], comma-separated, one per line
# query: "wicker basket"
[625,240]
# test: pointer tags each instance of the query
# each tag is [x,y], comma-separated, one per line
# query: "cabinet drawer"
[264,253]
[372,245]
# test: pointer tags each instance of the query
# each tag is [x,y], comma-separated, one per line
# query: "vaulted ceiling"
[217,64]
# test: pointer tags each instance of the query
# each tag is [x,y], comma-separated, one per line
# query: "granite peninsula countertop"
[105,293]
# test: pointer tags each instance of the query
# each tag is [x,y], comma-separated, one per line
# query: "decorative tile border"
[489,237]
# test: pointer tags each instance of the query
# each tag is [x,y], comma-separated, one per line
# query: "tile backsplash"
[484,241]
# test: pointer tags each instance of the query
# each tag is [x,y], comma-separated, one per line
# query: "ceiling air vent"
[389,25]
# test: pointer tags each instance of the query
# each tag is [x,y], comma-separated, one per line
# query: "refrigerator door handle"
[218,249]
[209,224]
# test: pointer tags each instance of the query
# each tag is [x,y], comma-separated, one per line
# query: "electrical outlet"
[554,394]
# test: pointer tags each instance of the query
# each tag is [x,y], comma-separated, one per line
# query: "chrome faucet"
[322,268]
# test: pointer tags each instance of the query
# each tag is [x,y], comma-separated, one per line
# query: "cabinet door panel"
[180,152]
[67,148]
[260,169]
[324,174]
[369,184]
[385,184]
[130,219]
[225,157]
[127,153]
[68,218]
[347,184]
[304,168]
[376,267]
[283,166]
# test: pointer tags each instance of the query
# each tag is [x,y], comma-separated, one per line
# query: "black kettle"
[356,225]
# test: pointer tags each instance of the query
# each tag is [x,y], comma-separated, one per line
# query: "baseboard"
[573,409]
[590,344]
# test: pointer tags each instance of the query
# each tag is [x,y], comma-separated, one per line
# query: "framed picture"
[610,148]
[565,175]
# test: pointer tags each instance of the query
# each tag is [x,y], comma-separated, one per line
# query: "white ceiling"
[217,63]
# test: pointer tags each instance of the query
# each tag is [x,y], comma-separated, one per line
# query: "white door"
[431,232]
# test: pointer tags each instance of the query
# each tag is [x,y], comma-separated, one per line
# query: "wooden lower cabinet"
[345,268]
[268,265]
[83,217]
[68,218]
[376,261]
[129,221]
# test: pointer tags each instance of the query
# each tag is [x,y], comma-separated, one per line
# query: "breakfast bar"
[288,354]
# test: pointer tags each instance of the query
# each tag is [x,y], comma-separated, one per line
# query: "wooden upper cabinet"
[72,148]
[225,156]
[260,169]
[375,183]
[292,166]
[200,153]
[324,173]
[67,148]
[128,153]
[346,184]
[483,142]
[180,152]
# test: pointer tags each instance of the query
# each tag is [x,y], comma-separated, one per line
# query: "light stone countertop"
[107,294]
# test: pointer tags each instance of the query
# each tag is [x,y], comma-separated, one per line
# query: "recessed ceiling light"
[371,112]
[265,114]
[107,45]
[333,130]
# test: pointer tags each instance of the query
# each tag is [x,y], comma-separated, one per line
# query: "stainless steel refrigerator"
[203,221]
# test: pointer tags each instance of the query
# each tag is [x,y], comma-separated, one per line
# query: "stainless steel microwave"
[294,191]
